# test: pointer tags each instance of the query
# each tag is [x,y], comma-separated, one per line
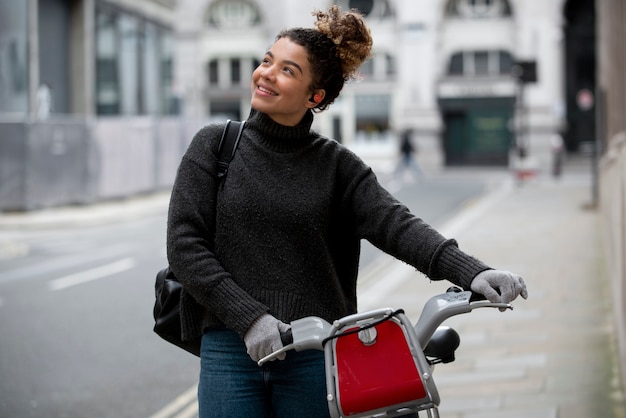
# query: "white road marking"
[92,274]
[184,406]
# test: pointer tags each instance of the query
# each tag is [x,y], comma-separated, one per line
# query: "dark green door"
[455,138]
[477,131]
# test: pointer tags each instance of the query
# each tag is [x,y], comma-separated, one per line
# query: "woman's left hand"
[499,286]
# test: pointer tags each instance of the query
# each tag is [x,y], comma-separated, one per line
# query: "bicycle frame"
[375,361]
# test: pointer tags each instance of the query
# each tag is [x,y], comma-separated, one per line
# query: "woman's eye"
[288,70]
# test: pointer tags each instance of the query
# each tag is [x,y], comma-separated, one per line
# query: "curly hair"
[336,48]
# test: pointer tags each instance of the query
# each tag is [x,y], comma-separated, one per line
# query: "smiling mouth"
[266,91]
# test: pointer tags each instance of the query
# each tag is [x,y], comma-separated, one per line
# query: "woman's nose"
[267,72]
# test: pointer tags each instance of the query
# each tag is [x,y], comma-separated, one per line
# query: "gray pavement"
[551,357]
[96,214]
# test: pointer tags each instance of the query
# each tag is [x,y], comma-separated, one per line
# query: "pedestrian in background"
[408,162]
[281,240]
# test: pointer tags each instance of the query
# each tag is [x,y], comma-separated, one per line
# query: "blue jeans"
[233,385]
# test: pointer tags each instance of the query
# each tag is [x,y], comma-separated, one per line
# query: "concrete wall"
[611,103]
[70,162]
[613,215]
[43,165]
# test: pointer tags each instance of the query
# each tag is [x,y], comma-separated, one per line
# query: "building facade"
[86,100]
[104,95]
[447,69]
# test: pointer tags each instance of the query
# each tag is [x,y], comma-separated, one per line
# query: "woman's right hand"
[263,337]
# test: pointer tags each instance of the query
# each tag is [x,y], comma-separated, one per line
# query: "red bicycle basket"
[383,374]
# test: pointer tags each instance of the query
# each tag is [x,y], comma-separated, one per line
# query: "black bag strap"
[228,145]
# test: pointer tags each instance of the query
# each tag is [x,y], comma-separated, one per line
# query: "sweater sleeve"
[191,233]
[389,225]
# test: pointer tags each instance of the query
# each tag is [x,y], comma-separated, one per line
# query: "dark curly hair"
[336,48]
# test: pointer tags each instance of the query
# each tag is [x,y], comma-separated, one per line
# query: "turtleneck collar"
[277,137]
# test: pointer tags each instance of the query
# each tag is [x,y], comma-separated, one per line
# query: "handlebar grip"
[474,298]
[286,337]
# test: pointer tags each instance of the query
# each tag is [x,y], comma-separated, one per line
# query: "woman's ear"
[317,97]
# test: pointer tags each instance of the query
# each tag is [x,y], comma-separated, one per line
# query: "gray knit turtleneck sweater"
[283,235]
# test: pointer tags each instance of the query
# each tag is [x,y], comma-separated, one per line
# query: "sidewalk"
[96,214]
[553,355]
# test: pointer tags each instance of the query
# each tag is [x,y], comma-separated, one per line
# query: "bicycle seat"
[442,345]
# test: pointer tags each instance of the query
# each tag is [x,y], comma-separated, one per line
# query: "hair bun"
[349,33]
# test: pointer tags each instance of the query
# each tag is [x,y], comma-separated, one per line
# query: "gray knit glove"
[499,286]
[263,337]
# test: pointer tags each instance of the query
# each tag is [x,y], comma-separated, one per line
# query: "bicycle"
[378,364]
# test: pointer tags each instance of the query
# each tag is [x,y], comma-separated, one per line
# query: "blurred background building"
[99,98]
[469,77]
[86,103]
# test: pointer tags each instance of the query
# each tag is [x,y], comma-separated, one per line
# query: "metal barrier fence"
[62,162]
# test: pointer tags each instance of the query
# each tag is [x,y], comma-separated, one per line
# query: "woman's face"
[280,85]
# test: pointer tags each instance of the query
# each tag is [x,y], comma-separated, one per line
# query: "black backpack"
[167,288]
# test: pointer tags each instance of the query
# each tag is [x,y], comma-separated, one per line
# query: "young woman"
[278,238]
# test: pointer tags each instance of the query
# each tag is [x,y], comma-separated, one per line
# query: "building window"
[363,6]
[235,71]
[372,116]
[381,67]
[213,70]
[169,101]
[366,70]
[506,62]
[129,64]
[456,64]
[369,8]
[232,14]
[107,81]
[14,57]
[480,63]
[478,9]
[133,64]
[390,67]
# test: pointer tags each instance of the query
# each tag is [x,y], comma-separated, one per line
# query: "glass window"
[235,71]
[505,62]
[363,6]
[128,64]
[478,8]
[213,70]
[169,102]
[456,64]
[133,64]
[372,115]
[372,9]
[481,63]
[367,69]
[150,100]
[107,83]
[391,65]
[14,57]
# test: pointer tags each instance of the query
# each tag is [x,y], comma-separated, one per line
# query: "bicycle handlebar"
[312,332]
